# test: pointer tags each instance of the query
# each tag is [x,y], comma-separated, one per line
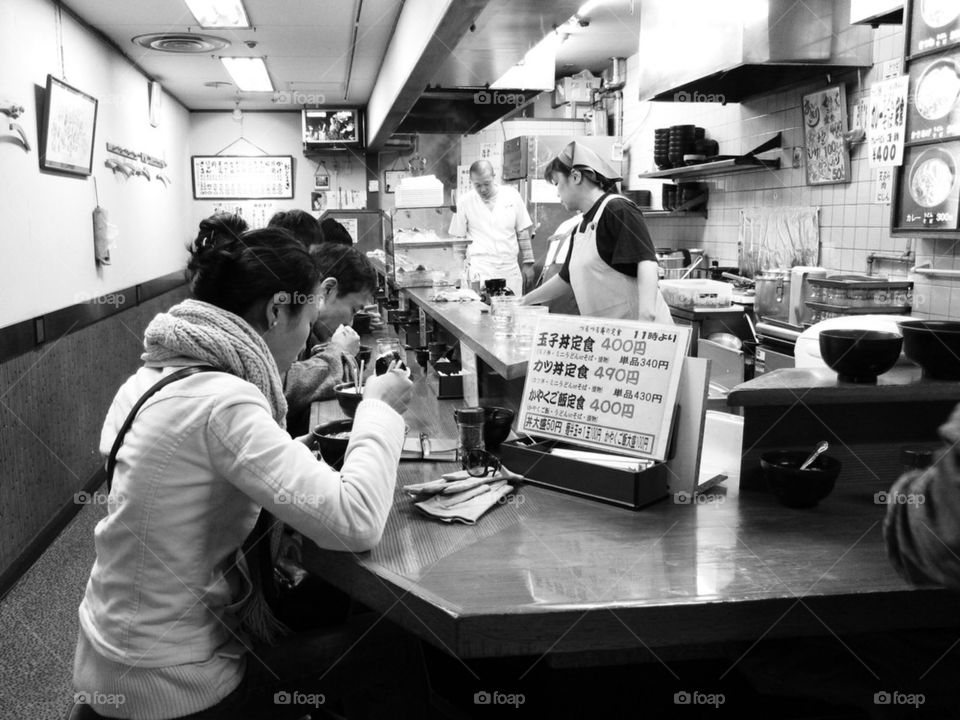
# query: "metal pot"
[773,295]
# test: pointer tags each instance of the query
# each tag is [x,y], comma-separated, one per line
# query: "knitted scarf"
[195,332]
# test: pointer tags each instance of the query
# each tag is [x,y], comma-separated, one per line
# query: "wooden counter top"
[471,326]
[550,573]
[819,386]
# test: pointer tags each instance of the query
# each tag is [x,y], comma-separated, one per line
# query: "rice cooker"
[772,301]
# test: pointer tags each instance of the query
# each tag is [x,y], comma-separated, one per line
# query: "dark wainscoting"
[54,395]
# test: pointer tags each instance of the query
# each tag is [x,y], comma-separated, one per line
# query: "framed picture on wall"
[392,178]
[824,122]
[318,201]
[68,128]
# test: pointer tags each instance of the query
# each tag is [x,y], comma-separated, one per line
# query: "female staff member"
[611,268]
[173,606]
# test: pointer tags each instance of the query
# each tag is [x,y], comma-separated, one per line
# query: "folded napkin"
[459,497]
[456,295]
[465,507]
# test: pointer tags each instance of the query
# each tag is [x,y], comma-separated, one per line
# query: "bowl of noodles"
[932,177]
[938,89]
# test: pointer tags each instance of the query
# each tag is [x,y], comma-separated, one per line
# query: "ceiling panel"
[307,43]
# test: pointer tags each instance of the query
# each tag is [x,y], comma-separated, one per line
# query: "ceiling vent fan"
[184,43]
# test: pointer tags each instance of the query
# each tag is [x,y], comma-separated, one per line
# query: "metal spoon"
[821,448]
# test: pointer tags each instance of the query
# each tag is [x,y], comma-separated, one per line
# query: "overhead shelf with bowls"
[723,164]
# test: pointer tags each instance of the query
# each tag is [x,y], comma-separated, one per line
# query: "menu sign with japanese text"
[885,129]
[604,384]
[242,177]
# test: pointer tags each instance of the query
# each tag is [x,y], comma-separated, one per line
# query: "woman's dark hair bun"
[234,270]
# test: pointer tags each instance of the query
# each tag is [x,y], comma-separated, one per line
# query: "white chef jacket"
[491,230]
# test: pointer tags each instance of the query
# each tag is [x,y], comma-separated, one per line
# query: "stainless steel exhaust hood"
[710,51]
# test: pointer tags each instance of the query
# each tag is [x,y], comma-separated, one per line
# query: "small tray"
[633,490]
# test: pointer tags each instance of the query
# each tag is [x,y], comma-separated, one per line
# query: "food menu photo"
[928,191]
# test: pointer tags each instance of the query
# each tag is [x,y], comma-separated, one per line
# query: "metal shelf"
[743,163]
[674,213]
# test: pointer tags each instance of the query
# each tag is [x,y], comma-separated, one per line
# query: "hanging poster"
[242,177]
[606,384]
[824,123]
[887,125]
[67,132]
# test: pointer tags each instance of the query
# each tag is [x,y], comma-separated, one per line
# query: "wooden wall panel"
[52,404]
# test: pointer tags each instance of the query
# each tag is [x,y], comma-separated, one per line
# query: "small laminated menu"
[604,384]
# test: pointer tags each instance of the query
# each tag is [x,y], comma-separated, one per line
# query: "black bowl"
[496,425]
[332,449]
[934,345]
[795,487]
[860,355]
[348,397]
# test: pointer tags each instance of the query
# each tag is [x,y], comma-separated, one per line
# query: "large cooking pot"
[772,300]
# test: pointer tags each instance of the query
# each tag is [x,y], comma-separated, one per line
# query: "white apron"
[600,290]
[484,268]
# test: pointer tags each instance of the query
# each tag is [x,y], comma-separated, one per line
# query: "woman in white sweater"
[173,619]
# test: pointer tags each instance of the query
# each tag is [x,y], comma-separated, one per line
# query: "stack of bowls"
[661,145]
[682,142]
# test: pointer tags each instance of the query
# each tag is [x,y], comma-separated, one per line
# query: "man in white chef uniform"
[495,220]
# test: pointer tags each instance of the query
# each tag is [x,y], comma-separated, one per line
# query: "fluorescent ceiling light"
[219,13]
[249,74]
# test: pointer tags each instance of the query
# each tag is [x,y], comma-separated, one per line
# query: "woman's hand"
[393,387]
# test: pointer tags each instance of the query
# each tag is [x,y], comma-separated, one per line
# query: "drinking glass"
[525,320]
[502,314]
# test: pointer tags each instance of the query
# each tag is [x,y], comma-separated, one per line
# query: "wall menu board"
[934,24]
[824,123]
[934,110]
[927,194]
[242,177]
[604,384]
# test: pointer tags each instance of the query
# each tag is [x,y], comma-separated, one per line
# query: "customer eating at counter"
[611,268]
[496,222]
[303,225]
[174,616]
[329,357]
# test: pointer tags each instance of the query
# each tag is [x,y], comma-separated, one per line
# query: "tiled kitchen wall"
[852,225]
